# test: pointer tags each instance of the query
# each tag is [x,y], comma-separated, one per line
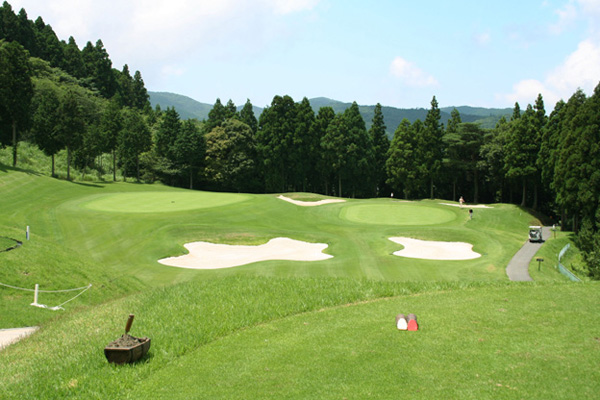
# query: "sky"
[399,53]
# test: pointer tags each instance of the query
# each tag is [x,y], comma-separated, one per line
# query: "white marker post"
[27,233]
[35,296]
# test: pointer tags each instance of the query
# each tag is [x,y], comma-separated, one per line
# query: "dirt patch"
[126,341]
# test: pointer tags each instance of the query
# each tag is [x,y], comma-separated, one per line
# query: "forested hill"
[488,117]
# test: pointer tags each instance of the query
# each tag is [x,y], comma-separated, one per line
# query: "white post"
[35,295]
[27,234]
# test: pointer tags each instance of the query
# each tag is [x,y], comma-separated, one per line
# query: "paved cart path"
[9,336]
[518,267]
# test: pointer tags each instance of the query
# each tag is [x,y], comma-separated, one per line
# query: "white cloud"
[410,73]
[581,69]
[566,17]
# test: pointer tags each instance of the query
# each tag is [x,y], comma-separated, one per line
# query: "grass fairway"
[282,329]
[398,213]
[159,202]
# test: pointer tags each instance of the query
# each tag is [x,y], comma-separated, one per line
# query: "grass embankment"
[245,337]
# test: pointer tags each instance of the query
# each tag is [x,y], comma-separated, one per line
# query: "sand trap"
[467,206]
[204,255]
[431,250]
[310,203]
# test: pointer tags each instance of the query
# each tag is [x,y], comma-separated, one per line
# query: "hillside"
[487,117]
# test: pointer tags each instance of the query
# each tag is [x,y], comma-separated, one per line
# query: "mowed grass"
[282,329]
[159,202]
[397,213]
[330,338]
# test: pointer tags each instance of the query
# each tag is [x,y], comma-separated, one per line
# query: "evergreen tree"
[247,116]
[492,158]
[452,161]
[568,159]
[403,159]
[74,64]
[381,145]
[359,154]
[99,67]
[189,149]
[111,124]
[216,116]
[72,126]
[166,136]
[334,144]
[323,172]
[304,143]
[274,142]
[46,122]
[141,98]
[26,34]
[134,139]
[431,145]
[521,150]
[125,87]
[516,112]
[16,93]
[230,109]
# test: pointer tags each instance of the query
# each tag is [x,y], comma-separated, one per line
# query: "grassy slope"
[73,245]
[323,338]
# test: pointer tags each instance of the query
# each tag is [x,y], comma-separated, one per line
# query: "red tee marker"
[412,322]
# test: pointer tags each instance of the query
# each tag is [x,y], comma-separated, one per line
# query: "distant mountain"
[487,117]
[187,107]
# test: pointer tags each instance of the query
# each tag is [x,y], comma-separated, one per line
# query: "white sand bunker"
[466,205]
[310,203]
[431,250]
[204,255]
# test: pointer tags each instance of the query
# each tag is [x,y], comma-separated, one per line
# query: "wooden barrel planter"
[127,348]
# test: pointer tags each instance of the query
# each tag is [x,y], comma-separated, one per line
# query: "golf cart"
[535,234]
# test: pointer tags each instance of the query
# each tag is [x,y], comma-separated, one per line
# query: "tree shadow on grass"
[6,168]
[87,184]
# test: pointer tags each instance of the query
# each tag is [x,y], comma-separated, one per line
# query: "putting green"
[397,214]
[155,202]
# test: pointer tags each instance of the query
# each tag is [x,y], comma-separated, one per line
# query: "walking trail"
[518,267]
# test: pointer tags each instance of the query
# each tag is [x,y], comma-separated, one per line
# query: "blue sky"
[398,53]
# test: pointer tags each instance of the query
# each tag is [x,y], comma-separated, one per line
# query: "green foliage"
[134,139]
[430,144]
[231,157]
[16,92]
[402,159]
[381,145]
[189,149]
[277,127]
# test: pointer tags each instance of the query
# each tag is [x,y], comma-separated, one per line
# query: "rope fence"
[36,290]
[562,269]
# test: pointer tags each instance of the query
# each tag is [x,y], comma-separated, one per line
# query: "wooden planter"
[122,355]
